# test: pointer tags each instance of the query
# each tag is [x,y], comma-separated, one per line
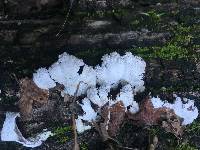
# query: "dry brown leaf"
[113,117]
[173,124]
[117,114]
[29,93]
[148,115]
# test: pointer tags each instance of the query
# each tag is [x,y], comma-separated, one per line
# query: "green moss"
[150,19]
[194,127]
[167,52]
[144,52]
[170,52]
[83,146]
[154,131]
[154,16]
[185,146]
[62,134]
[179,47]
[183,35]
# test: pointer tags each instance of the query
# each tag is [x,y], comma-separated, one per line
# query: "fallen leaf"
[113,117]
[148,116]
[172,124]
[117,114]
[30,93]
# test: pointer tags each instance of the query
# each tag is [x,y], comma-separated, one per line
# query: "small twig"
[66,18]
[128,148]
[76,92]
[76,145]
[13,75]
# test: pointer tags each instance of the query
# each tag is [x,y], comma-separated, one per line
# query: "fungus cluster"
[123,74]
[96,83]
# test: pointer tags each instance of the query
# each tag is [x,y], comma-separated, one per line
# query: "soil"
[28,41]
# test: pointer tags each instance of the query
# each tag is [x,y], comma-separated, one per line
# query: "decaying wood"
[165,117]
[30,93]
